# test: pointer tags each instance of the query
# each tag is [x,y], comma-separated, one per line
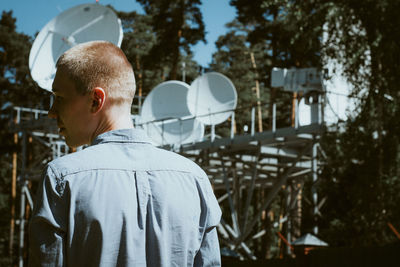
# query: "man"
[120,201]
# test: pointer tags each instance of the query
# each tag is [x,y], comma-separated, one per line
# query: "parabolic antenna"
[338,104]
[211,98]
[309,109]
[83,23]
[304,112]
[166,117]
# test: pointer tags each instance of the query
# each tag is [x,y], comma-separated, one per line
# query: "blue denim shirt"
[124,202]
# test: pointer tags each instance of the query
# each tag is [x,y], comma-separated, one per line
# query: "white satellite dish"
[166,117]
[83,23]
[211,98]
[309,108]
[304,112]
[338,104]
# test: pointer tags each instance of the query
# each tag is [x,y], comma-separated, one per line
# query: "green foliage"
[5,186]
[289,28]
[234,59]
[361,173]
[139,39]
[16,89]
[15,81]
[150,67]
[177,25]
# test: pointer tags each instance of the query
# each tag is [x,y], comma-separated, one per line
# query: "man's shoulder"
[122,157]
[174,161]
[73,162]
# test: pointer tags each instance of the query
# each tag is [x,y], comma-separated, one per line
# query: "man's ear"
[98,98]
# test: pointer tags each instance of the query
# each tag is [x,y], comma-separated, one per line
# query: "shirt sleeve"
[209,252]
[47,229]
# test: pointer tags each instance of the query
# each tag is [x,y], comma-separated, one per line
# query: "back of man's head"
[100,64]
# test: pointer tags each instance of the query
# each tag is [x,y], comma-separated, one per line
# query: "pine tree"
[361,173]
[16,89]
[178,25]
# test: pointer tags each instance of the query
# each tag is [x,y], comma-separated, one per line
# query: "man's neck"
[113,120]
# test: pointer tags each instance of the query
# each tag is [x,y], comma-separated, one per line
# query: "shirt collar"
[122,136]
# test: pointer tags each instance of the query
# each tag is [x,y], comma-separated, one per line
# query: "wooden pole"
[13,197]
[393,229]
[253,62]
[294,104]
[285,240]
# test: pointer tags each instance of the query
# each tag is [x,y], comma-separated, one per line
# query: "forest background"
[360,175]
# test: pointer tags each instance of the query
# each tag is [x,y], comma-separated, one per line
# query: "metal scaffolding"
[30,126]
[244,167]
[247,172]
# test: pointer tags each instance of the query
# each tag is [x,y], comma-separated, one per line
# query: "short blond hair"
[100,64]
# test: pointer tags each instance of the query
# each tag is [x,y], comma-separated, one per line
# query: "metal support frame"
[30,125]
[240,168]
[313,188]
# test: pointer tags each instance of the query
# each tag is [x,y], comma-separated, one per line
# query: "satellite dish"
[83,23]
[338,104]
[211,98]
[309,109]
[304,112]
[166,117]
